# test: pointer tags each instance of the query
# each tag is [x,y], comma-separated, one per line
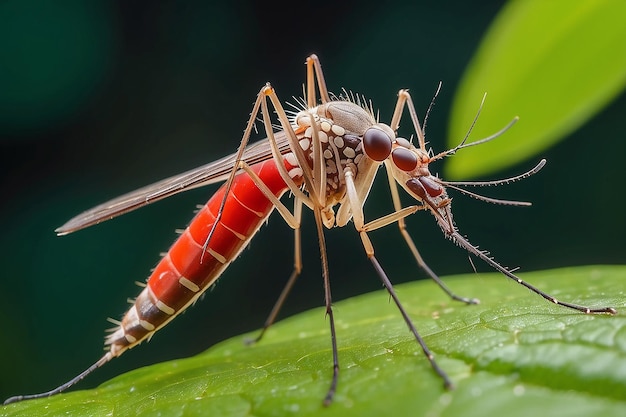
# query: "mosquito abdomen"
[186,270]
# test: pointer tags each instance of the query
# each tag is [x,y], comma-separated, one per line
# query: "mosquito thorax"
[339,127]
[351,116]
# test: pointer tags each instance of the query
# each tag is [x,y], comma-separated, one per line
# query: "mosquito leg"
[242,146]
[277,306]
[292,220]
[357,211]
[409,241]
[447,383]
[312,177]
[314,203]
[297,268]
[107,357]
[420,261]
[289,218]
[404,100]
[465,244]
[311,181]
[426,268]
[330,394]
[268,93]
[314,68]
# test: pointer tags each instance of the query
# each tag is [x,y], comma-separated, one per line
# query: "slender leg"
[294,221]
[405,101]
[465,244]
[313,179]
[289,218]
[447,383]
[411,244]
[259,104]
[314,68]
[362,228]
[328,399]
[426,268]
[104,359]
[297,269]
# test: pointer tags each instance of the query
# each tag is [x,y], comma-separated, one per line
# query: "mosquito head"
[409,167]
[405,161]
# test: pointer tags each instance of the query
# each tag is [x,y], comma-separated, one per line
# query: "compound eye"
[404,159]
[432,188]
[376,144]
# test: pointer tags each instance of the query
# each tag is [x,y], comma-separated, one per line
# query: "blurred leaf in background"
[555,64]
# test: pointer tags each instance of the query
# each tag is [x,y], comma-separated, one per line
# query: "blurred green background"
[99,98]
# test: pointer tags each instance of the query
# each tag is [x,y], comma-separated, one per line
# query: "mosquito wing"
[210,173]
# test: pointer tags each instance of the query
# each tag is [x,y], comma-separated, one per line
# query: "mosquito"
[326,155]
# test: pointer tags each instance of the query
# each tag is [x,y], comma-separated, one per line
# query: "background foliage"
[102,98]
[552,64]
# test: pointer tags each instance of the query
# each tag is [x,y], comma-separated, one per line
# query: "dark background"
[98,99]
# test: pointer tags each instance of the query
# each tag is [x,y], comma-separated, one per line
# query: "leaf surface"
[515,354]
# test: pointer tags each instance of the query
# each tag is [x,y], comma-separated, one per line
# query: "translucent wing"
[210,173]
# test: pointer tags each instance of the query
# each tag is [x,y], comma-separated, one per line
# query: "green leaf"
[552,63]
[515,354]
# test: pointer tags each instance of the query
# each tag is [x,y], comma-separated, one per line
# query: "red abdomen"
[184,273]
